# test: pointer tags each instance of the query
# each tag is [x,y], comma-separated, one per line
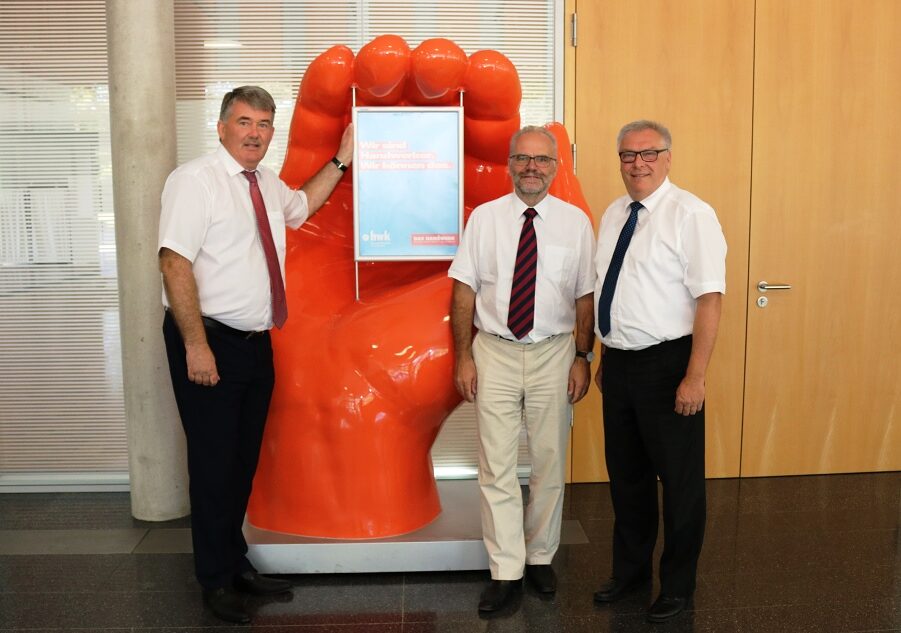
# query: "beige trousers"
[522,384]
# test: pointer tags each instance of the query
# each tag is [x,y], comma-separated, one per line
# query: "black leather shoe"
[614,589]
[666,608]
[252,583]
[542,578]
[497,594]
[226,605]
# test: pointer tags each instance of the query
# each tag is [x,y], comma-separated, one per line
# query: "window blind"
[61,404]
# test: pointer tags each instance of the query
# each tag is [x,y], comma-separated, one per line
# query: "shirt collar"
[232,167]
[543,208]
[651,202]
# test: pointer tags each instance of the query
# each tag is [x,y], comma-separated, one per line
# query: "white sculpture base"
[452,542]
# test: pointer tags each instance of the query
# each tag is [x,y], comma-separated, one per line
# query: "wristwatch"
[589,356]
[339,164]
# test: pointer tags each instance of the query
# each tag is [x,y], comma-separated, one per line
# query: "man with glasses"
[661,276]
[524,277]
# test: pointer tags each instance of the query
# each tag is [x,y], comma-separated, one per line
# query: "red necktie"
[521,315]
[276,286]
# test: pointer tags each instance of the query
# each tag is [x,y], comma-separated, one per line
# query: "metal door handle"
[764,286]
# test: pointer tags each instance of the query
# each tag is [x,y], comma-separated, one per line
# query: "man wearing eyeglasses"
[661,276]
[524,277]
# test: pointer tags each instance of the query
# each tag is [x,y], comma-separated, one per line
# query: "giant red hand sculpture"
[363,387]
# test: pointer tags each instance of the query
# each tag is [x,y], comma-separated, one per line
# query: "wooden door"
[823,387]
[689,65]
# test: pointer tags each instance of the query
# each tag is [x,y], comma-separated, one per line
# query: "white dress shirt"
[208,217]
[487,255]
[677,254]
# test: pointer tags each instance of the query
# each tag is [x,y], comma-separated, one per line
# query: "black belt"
[653,349]
[213,324]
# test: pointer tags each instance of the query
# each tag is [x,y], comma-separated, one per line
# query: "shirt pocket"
[559,267]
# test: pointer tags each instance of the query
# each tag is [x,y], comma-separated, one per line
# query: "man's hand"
[201,364]
[466,377]
[579,379]
[364,386]
[690,396]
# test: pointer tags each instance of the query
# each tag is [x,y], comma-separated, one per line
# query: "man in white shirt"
[661,276]
[523,365]
[221,251]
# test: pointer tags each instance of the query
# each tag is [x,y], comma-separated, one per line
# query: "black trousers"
[224,429]
[645,439]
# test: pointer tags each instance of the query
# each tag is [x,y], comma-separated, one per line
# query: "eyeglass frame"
[516,159]
[656,153]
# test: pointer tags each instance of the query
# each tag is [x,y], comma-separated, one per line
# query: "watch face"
[589,356]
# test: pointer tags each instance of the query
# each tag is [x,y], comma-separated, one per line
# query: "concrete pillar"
[142,124]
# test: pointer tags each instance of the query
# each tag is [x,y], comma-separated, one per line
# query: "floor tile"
[335,599]
[827,616]
[115,541]
[57,573]
[159,572]
[72,511]
[572,533]
[166,541]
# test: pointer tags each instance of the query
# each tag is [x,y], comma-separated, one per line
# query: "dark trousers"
[224,429]
[646,439]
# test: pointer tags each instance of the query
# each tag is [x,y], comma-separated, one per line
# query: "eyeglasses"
[647,155]
[521,160]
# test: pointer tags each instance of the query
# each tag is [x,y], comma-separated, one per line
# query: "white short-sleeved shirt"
[677,254]
[487,255]
[207,217]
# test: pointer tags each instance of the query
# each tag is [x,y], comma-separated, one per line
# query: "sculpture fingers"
[437,69]
[381,71]
[321,114]
[491,101]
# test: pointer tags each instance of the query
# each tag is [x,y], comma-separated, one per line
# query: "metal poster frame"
[390,165]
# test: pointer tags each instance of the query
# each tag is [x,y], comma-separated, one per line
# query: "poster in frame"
[408,183]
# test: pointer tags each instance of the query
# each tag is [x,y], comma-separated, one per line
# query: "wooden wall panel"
[689,65]
[823,386]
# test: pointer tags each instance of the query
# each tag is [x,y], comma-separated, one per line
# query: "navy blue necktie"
[521,314]
[616,263]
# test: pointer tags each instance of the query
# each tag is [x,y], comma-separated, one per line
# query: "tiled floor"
[793,554]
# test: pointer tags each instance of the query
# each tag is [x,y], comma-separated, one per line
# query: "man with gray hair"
[221,252]
[661,265]
[524,277]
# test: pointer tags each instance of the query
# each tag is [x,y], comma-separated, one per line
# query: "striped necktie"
[521,315]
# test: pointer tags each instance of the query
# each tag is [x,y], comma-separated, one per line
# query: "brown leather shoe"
[251,582]
[542,578]
[497,594]
[226,605]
